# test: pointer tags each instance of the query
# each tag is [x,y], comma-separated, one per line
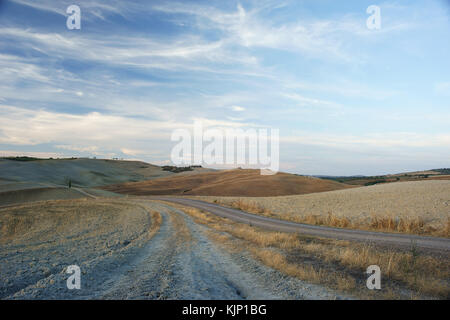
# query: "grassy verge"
[337,264]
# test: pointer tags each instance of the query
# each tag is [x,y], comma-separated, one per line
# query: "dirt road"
[178,262]
[391,239]
[182,263]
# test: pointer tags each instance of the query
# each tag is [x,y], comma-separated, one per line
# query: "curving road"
[391,239]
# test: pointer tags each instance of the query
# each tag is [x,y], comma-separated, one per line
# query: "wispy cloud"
[368,141]
[94,133]
[442,88]
[237,108]
[246,28]
[91,8]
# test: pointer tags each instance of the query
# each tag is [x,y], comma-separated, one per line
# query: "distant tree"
[68,182]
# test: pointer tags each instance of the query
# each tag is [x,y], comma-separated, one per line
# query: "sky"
[346,99]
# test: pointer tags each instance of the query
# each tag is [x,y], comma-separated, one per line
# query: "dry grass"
[156,221]
[411,225]
[337,264]
[183,234]
[278,261]
[252,206]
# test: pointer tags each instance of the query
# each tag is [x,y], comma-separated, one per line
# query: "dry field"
[338,265]
[237,182]
[38,241]
[419,207]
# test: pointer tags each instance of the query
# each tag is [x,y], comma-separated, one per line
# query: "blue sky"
[346,99]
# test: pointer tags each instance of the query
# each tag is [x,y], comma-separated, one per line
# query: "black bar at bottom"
[229,309]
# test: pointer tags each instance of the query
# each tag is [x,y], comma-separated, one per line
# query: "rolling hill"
[22,173]
[236,182]
[25,179]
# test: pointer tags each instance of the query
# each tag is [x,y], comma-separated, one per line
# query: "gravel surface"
[182,263]
[39,241]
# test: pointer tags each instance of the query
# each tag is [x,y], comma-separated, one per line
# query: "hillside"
[237,182]
[83,172]
[434,174]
